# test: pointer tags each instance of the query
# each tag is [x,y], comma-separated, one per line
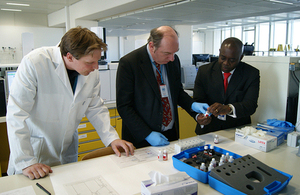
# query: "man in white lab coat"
[53,89]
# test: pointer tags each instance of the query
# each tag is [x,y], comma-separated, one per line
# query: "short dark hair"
[80,42]
[238,44]
[157,35]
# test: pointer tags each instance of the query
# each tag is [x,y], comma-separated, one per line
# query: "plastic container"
[247,175]
[192,171]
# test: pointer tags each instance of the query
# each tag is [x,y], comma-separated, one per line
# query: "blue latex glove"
[200,107]
[157,139]
[277,123]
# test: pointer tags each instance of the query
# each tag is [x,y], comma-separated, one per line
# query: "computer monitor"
[9,77]
[200,58]
[214,58]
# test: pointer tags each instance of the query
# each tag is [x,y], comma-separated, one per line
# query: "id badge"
[222,117]
[163,91]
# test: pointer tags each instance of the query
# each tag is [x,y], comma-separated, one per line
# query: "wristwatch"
[231,109]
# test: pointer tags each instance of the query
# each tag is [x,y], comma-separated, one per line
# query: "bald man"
[229,86]
[149,89]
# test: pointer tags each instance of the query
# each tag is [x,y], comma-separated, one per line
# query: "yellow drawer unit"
[84,119]
[83,147]
[112,112]
[85,127]
[88,136]
[80,156]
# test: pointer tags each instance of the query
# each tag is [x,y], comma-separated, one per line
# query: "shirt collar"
[151,59]
[230,71]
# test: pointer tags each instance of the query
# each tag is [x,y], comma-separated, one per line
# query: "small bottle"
[210,167]
[221,162]
[216,139]
[211,152]
[203,167]
[205,150]
[223,157]
[165,155]
[214,162]
[231,159]
[160,156]
[227,157]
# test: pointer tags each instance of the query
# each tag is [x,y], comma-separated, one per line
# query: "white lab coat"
[43,113]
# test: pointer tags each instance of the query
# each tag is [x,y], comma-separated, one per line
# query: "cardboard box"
[285,130]
[264,144]
[186,187]
[279,134]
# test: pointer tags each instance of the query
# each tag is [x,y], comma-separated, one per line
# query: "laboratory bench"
[89,139]
[127,180]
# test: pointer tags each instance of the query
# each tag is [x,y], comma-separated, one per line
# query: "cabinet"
[187,124]
[88,137]
[4,148]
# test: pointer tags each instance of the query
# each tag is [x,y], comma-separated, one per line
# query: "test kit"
[241,176]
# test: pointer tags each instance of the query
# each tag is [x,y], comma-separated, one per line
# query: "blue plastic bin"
[192,171]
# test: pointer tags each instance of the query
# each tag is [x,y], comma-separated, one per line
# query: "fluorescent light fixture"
[13,10]
[18,4]
[254,21]
[283,2]
[211,27]
[182,2]
[201,28]
[223,25]
[236,23]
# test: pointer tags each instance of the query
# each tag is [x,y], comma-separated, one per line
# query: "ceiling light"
[18,4]
[13,10]
[236,23]
[283,2]
[252,21]
[201,28]
[211,27]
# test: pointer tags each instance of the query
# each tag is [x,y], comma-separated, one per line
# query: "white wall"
[198,42]
[10,36]
[185,44]
[13,24]
[112,53]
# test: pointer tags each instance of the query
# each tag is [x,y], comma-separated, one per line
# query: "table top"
[127,180]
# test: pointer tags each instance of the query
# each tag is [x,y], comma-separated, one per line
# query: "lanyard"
[160,74]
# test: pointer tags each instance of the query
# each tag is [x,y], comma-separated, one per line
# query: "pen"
[39,185]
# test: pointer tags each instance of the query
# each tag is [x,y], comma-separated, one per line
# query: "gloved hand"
[200,107]
[157,139]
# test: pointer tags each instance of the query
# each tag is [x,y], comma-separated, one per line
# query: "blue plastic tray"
[226,189]
[192,171]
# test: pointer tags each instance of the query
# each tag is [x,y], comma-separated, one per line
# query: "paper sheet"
[142,155]
[21,191]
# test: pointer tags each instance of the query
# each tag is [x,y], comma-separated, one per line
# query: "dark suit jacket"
[242,93]
[138,96]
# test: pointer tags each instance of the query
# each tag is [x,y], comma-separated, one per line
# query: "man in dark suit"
[230,107]
[149,89]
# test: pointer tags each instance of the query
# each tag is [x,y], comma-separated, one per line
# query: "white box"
[185,187]
[264,144]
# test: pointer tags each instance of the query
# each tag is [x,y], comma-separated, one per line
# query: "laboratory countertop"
[127,179]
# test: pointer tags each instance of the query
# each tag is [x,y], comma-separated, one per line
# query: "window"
[262,38]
